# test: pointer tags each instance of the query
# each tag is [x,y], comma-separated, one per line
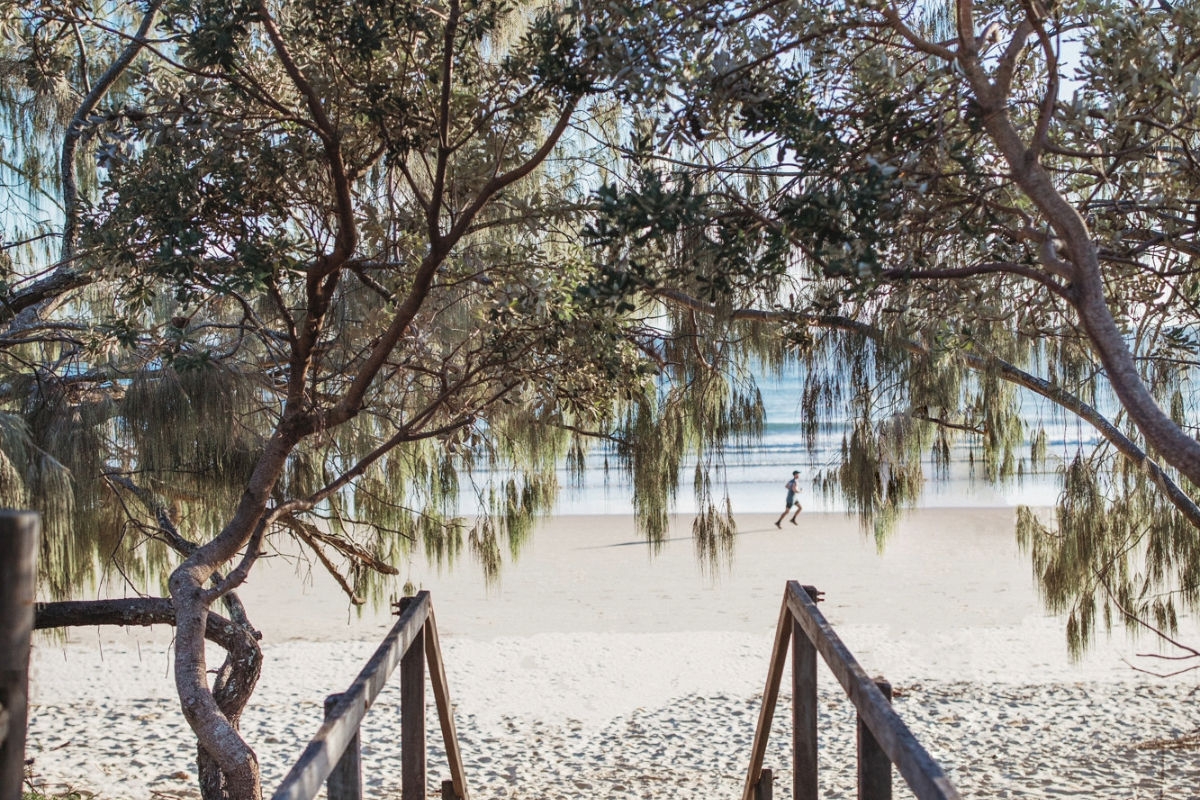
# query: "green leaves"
[286,206]
[831,166]
[211,32]
[662,230]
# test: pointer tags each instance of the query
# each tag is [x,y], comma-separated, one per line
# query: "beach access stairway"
[333,754]
[883,739]
[332,757]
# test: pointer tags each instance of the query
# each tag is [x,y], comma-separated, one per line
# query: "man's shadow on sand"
[643,542]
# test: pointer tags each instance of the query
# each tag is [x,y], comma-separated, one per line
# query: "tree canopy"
[329,271]
[308,270]
[968,199]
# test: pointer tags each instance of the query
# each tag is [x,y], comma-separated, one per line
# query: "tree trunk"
[238,675]
[215,730]
[217,733]
[235,679]
[1164,437]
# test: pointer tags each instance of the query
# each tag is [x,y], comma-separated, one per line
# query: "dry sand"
[596,670]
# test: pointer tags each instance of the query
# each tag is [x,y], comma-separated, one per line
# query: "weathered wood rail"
[18,568]
[883,738]
[333,757]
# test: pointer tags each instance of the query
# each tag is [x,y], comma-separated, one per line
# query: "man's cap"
[795,472]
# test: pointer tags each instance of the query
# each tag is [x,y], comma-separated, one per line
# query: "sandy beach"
[593,669]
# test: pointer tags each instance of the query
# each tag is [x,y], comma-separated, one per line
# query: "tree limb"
[979,363]
[70,188]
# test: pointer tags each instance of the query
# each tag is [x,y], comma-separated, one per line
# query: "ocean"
[754,476]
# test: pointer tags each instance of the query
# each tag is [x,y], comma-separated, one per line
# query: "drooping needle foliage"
[353,277]
[986,215]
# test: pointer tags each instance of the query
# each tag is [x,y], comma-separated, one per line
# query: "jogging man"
[793,487]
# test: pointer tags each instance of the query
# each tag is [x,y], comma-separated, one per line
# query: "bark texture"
[234,682]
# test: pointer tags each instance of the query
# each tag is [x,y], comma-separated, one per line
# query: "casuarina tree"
[979,207]
[312,270]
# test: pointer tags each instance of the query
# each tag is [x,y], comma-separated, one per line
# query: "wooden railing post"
[882,734]
[765,788]
[345,782]
[874,767]
[18,570]
[762,732]
[456,787]
[412,720]
[804,715]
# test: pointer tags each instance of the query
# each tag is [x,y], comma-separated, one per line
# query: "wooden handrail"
[342,722]
[923,775]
